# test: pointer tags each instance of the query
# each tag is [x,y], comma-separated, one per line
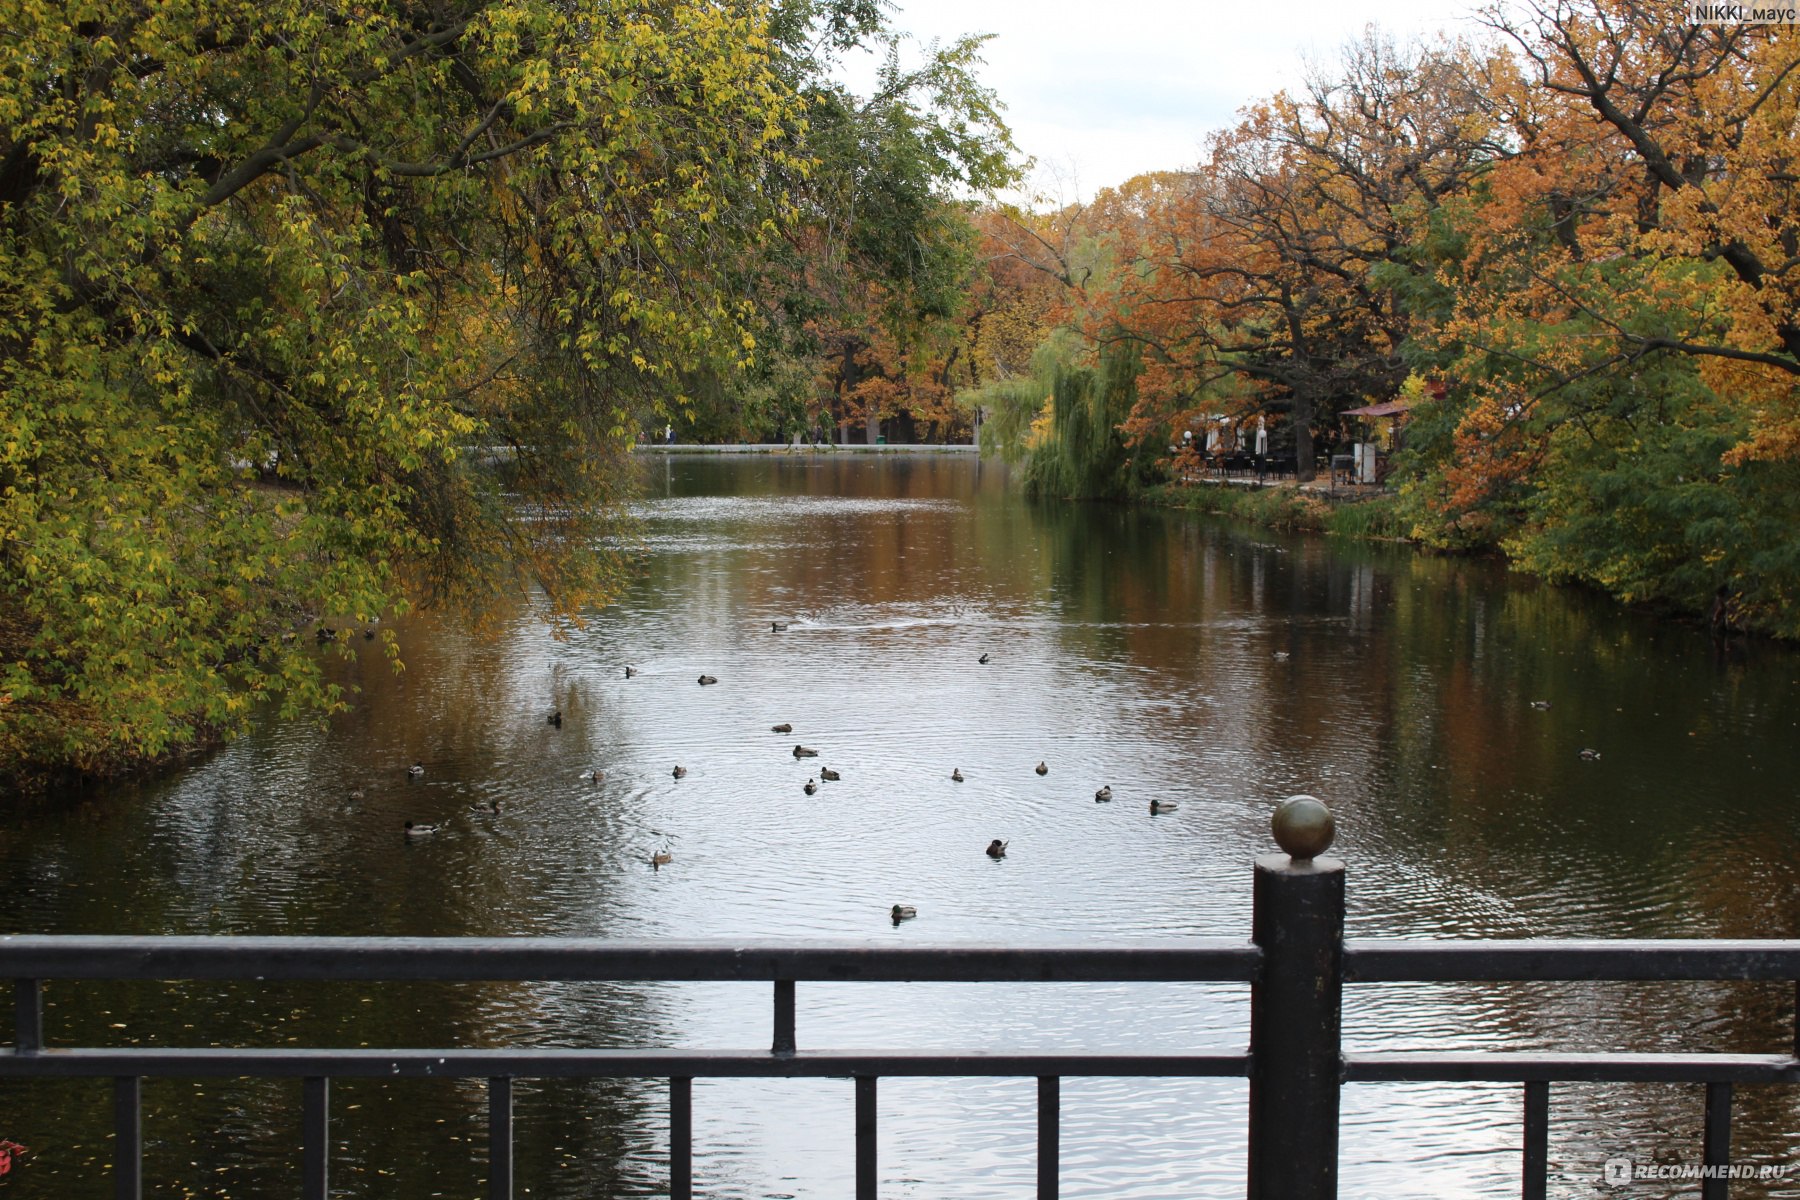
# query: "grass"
[1287,508]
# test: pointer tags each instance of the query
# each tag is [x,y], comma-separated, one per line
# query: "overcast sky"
[1099,92]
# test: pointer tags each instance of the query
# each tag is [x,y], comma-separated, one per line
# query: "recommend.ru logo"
[1620,1171]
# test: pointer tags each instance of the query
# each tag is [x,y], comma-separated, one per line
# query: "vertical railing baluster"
[1716,1141]
[500,1138]
[28,1017]
[315,1138]
[128,1138]
[865,1137]
[681,1138]
[784,1017]
[1536,1182]
[1049,1135]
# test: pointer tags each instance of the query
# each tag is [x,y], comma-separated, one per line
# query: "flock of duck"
[996,849]
[901,912]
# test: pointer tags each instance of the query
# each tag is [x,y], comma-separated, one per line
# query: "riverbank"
[1289,507]
[1321,509]
[796,448]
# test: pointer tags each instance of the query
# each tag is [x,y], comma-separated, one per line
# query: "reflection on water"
[1161,655]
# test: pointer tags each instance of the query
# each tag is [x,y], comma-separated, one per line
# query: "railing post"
[1296,1057]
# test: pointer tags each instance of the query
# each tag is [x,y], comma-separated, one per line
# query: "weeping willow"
[1080,453]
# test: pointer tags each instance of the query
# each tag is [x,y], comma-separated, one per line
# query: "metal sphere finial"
[1303,827]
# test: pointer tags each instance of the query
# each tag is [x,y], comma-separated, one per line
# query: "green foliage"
[1082,454]
[863,286]
[1637,500]
[279,281]
[1274,507]
[1375,519]
[1010,407]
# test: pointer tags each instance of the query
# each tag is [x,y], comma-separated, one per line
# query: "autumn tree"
[1620,314]
[1272,265]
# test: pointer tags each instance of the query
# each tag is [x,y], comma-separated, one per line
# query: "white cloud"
[1116,89]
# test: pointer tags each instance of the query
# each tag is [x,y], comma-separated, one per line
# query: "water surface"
[1166,656]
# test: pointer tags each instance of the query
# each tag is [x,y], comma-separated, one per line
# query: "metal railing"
[1296,965]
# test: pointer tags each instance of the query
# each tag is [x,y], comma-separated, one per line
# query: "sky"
[1102,90]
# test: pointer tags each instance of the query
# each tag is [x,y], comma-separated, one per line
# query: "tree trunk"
[1303,439]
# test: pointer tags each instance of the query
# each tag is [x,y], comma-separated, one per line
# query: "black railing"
[1296,963]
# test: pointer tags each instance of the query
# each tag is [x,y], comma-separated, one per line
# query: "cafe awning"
[1392,408]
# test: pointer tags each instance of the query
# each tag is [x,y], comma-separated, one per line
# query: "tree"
[279,282]
[1273,263]
[1617,314]
[889,251]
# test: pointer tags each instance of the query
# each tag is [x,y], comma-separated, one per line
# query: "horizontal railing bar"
[1557,1067]
[1376,960]
[82,956]
[548,1062]
[1367,960]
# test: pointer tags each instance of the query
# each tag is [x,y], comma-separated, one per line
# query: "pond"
[1162,655]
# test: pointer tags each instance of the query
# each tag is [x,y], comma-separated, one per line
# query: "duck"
[679,771]
[706,679]
[368,635]
[1104,795]
[630,670]
[1041,769]
[903,912]
[1541,705]
[355,796]
[778,626]
[996,849]
[1590,755]
[1162,806]
[416,770]
[660,858]
[983,660]
[803,752]
[490,809]
[594,776]
[1282,656]
[810,787]
[413,830]
[827,775]
[555,718]
[956,775]
[784,727]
